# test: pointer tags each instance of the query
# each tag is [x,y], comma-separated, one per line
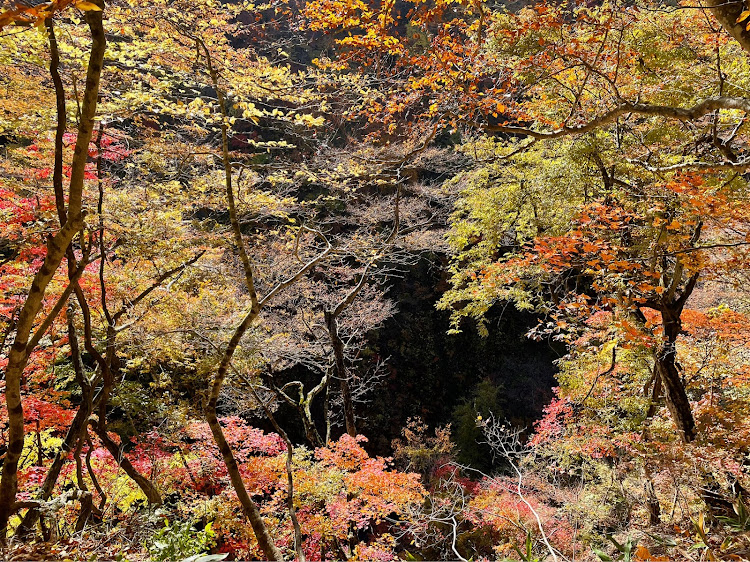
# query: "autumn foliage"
[205,206]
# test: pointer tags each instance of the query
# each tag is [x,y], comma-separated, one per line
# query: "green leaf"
[664,541]
[618,546]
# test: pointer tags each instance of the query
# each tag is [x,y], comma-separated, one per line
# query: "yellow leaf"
[743,16]
[88,6]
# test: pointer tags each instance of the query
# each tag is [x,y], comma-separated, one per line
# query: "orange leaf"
[88,6]
[643,553]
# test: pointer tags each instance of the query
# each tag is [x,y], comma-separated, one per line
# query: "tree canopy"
[219,218]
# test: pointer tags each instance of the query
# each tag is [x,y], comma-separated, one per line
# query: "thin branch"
[155,285]
[603,373]
[670,112]
[61,300]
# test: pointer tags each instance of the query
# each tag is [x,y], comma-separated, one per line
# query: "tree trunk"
[655,394]
[249,508]
[311,432]
[152,494]
[727,12]
[74,431]
[652,501]
[666,365]
[341,372]
[676,397]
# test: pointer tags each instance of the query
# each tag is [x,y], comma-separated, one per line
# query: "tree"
[559,67]
[57,246]
[253,206]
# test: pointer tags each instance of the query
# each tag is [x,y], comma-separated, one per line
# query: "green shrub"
[179,540]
